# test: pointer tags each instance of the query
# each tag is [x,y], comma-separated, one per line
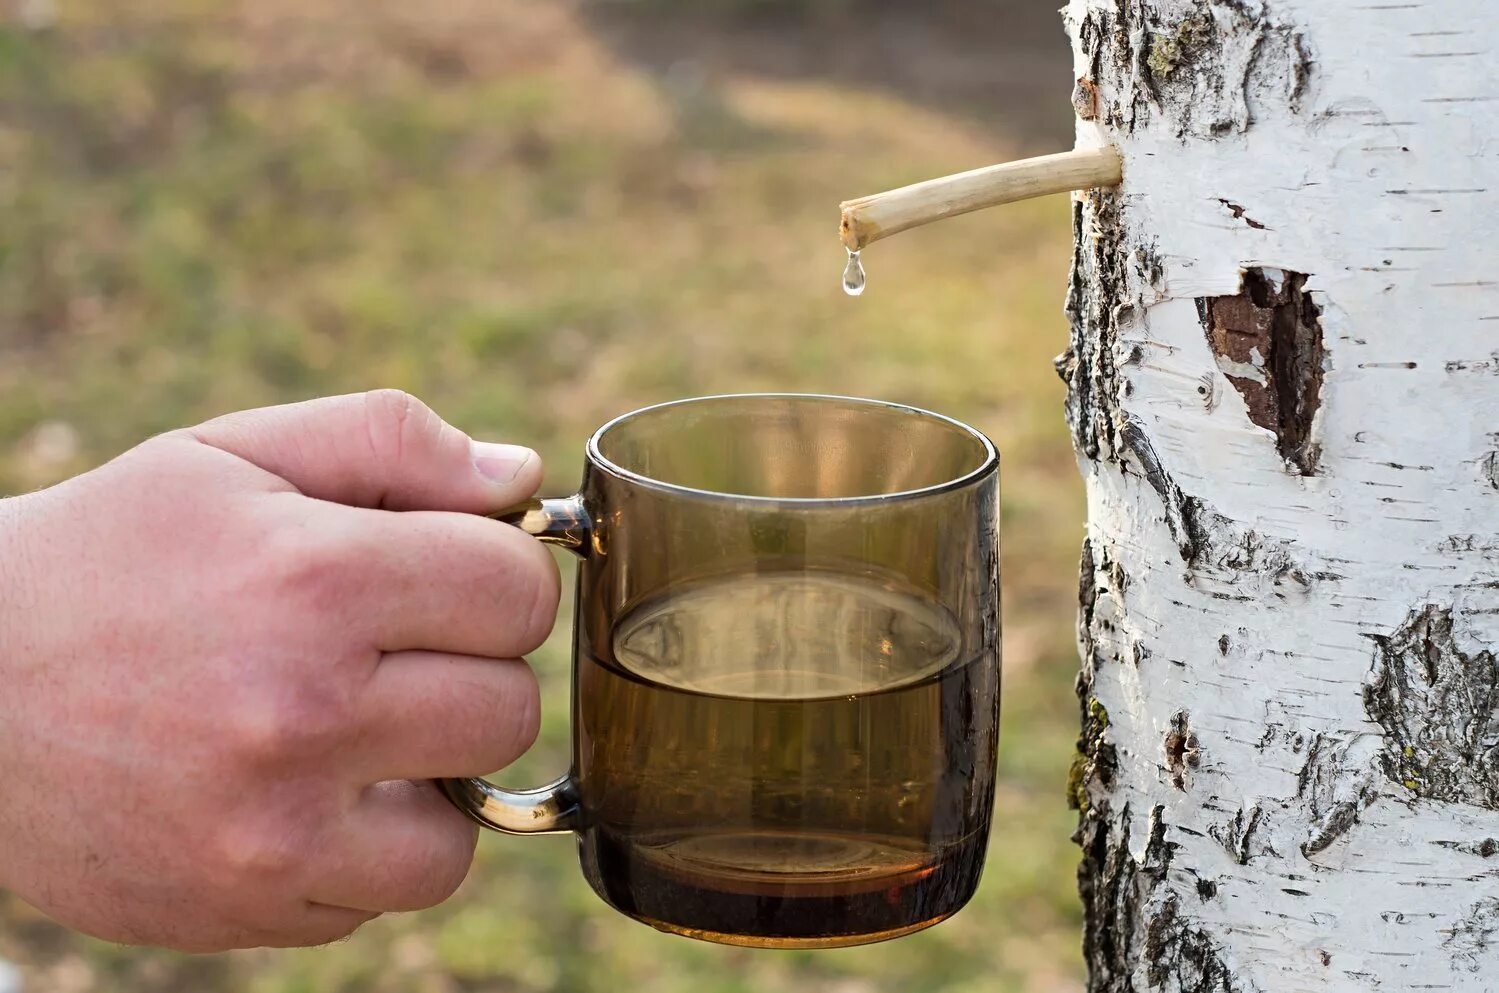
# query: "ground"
[534,217]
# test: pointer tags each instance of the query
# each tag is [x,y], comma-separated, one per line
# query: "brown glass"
[786,683]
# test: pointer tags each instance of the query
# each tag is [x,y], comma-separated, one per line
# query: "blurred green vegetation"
[209,206]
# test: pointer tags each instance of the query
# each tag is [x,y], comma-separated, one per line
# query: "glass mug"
[786,669]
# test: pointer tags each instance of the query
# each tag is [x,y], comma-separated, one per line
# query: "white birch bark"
[1284,393]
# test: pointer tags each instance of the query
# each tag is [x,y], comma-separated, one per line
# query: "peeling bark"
[1282,392]
[1268,342]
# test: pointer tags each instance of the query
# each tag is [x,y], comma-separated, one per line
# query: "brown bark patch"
[1182,750]
[1268,342]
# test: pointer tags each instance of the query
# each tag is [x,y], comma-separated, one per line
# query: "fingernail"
[500,463]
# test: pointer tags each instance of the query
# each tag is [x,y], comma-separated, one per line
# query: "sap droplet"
[853,275]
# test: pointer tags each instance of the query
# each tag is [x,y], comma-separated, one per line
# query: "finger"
[452,583]
[425,716]
[403,846]
[382,449]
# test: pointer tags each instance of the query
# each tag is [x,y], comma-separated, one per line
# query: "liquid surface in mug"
[788,758]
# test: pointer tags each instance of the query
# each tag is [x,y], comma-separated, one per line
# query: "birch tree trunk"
[1284,394]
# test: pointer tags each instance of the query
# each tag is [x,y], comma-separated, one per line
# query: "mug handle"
[552,808]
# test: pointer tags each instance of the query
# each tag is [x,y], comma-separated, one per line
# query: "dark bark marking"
[1098,635]
[1333,826]
[1335,790]
[1182,750]
[1488,366]
[1132,915]
[1095,760]
[1486,848]
[1156,859]
[1489,465]
[1237,835]
[1087,590]
[1205,68]
[1439,707]
[1106,881]
[1185,43]
[1268,341]
[1183,955]
[1239,214]
[1214,546]
[1470,940]
[1099,295]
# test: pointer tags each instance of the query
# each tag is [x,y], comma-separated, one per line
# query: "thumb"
[382,449]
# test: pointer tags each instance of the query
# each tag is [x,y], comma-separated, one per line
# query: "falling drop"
[853,275]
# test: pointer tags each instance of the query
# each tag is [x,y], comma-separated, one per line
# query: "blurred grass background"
[536,215]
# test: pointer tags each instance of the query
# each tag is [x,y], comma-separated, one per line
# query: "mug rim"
[987,466]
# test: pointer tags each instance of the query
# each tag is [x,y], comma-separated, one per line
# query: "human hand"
[228,671]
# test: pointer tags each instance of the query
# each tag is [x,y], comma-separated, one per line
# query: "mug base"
[764,941]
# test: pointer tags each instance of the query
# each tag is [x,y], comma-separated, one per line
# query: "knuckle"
[311,566]
[394,419]
[289,723]
[265,853]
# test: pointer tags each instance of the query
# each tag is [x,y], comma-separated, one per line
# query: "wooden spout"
[868,219]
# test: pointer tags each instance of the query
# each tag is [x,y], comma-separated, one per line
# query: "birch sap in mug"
[786,683]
